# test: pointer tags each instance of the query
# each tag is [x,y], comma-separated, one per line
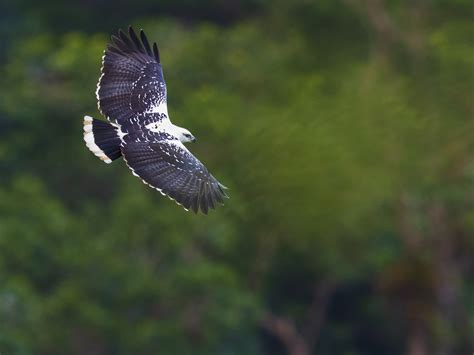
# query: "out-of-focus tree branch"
[379,19]
[388,33]
[317,312]
[449,275]
[284,329]
[302,342]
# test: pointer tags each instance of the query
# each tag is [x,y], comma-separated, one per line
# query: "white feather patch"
[162,107]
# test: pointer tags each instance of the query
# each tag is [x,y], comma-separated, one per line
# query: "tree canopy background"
[344,130]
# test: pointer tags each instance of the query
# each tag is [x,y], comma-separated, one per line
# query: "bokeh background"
[344,130]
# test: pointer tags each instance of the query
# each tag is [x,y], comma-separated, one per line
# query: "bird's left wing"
[171,169]
[132,78]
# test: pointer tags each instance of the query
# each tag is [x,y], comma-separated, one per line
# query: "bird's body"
[131,94]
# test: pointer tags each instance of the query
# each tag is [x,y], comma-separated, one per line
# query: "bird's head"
[184,135]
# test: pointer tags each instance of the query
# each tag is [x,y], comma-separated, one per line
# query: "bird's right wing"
[171,169]
[132,79]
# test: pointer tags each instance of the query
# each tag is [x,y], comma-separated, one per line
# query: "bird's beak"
[193,140]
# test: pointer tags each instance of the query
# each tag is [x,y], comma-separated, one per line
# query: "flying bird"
[131,94]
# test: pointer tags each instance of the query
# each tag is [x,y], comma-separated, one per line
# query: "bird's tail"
[102,139]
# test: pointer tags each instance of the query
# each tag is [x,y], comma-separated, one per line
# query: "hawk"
[131,94]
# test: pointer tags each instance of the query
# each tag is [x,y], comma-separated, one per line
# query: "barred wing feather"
[170,168]
[132,78]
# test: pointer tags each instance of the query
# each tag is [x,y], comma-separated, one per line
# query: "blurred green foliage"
[344,131]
